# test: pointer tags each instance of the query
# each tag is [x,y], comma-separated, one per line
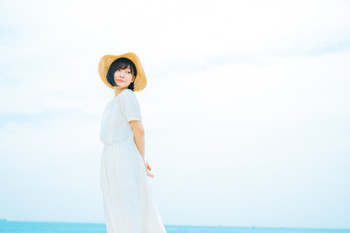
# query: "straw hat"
[140,81]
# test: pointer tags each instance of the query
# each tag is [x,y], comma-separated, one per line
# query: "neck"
[117,90]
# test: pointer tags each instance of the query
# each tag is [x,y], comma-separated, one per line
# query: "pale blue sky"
[246,109]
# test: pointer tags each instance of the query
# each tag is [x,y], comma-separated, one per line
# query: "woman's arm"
[139,136]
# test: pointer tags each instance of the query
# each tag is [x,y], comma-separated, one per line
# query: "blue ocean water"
[58,227]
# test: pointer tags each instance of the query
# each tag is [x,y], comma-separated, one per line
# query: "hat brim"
[106,61]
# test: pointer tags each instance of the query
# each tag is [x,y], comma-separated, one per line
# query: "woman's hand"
[148,167]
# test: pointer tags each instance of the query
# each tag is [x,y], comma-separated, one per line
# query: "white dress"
[127,193]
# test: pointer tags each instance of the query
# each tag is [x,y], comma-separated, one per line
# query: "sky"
[246,110]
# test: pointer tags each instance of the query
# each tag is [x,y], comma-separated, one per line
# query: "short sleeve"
[130,106]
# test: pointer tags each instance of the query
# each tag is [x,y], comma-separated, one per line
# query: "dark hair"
[121,63]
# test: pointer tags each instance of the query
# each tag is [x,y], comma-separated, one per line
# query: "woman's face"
[123,77]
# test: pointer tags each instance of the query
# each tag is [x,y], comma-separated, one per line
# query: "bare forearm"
[139,137]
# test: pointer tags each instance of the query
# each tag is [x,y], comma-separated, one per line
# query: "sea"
[59,227]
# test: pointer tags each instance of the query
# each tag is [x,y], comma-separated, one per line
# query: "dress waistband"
[115,143]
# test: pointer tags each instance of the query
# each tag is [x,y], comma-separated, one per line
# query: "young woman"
[127,194]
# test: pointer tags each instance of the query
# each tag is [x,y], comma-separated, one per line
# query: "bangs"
[124,64]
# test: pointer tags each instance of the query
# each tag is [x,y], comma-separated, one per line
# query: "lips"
[120,80]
